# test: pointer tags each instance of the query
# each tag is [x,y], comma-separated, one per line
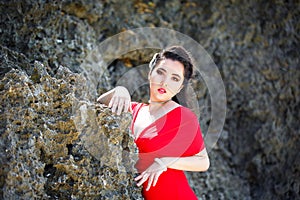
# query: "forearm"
[106,97]
[199,162]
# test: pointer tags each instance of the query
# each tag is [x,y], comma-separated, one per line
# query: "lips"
[161,90]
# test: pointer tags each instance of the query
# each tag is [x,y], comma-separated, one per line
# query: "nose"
[163,83]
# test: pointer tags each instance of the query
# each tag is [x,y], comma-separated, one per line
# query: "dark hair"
[175,53]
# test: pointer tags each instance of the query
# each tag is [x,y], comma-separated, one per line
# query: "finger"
[115,105]
[143,180]
[150,181]
[138,177]
[157,175]
[120,106]
[126,106]
[111,102]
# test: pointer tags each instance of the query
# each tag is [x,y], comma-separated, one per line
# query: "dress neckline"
[139,106]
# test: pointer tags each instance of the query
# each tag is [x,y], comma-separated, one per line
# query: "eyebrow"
[172,74]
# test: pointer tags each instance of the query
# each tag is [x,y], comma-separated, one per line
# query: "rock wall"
[45,151]
[54,144]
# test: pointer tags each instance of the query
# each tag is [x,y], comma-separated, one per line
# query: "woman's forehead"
[172,66]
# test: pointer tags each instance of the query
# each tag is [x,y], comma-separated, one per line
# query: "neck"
[158,102]
[154,106]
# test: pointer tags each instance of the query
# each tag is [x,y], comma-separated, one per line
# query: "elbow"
[206,164]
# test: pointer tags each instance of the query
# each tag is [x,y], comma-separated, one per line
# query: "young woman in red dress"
[167,134]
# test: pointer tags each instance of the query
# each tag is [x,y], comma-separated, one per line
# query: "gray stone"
[254,44]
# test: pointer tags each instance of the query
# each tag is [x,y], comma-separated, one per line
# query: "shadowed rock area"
[57,143]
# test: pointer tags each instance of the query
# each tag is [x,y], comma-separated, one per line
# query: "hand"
[152,173]
[120,100]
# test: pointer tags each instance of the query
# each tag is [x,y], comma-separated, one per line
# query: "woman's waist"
[142,164]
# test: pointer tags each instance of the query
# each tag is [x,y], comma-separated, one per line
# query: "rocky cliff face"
[54,144]
[57,143]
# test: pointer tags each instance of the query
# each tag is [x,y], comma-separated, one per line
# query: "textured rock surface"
[55,145]
[43,152]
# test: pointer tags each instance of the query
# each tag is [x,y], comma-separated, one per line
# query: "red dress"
[177,134]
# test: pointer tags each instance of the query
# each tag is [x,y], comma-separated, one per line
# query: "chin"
[160,97]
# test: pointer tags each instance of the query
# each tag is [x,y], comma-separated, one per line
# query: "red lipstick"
[161,90]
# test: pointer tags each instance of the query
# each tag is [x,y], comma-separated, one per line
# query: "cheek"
[175,84]
[154,78]
[174,87]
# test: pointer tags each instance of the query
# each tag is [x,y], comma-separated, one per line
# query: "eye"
[159,71]
[175,79]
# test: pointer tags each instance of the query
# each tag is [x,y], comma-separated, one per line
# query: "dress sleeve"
[185,135]
[179,135]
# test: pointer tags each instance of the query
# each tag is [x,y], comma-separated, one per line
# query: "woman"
[167,134]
